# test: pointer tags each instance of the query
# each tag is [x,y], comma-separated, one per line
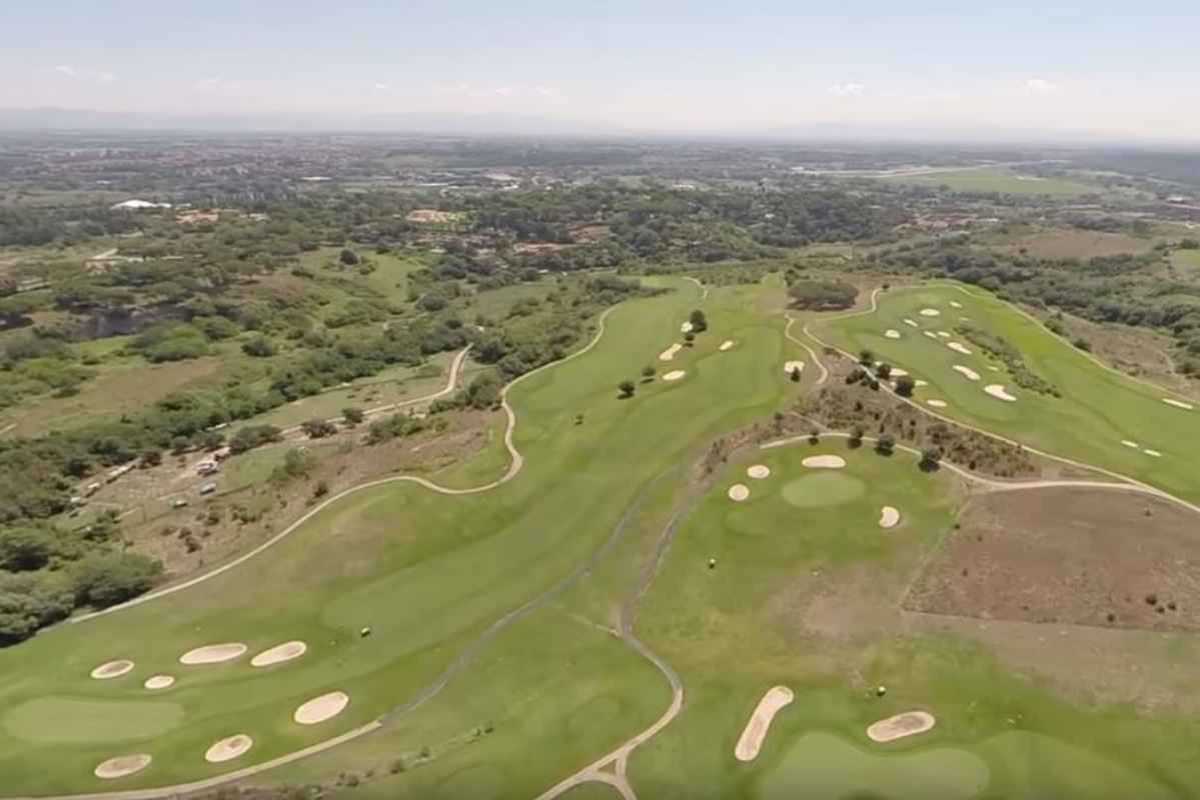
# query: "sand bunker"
[930,312]
[685,327]
[996,390]
[1179,404]
[888,517]
[1128,443]
[229,749]
[278,654]
[912,323]
[756,729]
[953,304]
[669,353]
[892,333]
[113,669]
[824,462]
[790,366]
[920,382]
[930,334]
[739,492]
[1154,453]
[966,372]
[898,373]
[319,709]
[958,348]
[725,345]
[909,723]
[759,471]
[159,682]
[674,375]
[213,653]
[944,334]
[937,403]
[121,766]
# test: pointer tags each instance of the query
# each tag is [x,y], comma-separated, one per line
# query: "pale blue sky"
[723,66]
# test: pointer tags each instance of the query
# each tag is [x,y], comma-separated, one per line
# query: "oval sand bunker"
[674,375]
[280,653]
[936,403]
[958,347]
[759,471]
[997,391]
[739,492]
[888,517]
[159,682]
[911,323]
[909,723]
[322,708]
[750,742]
[892,333]
[966,372]
[824,462]
[930,312]
[669,353]
[213,653]
[792,366]
[113,669]
[725,345]
[121,766]
[229,749]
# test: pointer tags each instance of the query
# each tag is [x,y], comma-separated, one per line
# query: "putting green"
[1098,408]
[820,766]
[823,489]
[68,720]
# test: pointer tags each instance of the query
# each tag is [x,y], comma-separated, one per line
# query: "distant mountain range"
[496,124]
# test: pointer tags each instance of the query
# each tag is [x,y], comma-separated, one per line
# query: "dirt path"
[516,463]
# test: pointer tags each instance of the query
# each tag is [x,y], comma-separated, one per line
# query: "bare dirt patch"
[1068,555]
[1081,244]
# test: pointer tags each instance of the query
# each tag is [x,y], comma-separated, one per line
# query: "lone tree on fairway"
[699,321]
[886,445]
[905,386]
[795,374]
[930,459]
[689,338]
[648,372]
[627,389]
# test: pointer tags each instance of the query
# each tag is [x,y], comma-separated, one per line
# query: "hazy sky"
[1129,68]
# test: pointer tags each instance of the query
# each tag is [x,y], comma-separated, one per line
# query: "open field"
[1098,418]
[1075,556]
[999,180]
[1187,263]
[1077,243]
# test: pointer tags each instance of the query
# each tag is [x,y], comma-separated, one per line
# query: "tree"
[106,579]
[885,445]
[814,295]
[259,347]
[856,436]
[151,457]
[795,374]
[699,321]
[318,428]
[905,386]
[648,372]
[627,389]
[930,459]
[689,338]
[348,257]
[866,357]
[883,371]
[353,416]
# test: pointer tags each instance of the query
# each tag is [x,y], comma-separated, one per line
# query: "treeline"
[46,573]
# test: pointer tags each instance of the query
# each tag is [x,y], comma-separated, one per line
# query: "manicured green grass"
[807,598]
[428,573]
[1098,410]
[998,180]
[1187,262]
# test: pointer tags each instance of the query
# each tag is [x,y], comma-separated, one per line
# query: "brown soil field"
[1069,243]
[1068,556]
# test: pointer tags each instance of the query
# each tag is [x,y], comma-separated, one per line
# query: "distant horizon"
[1106,70]
[53,119]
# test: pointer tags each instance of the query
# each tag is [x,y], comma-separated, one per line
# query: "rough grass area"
[1076,556]
[1062,243]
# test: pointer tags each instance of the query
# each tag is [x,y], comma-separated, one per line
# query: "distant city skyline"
[1104,69]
